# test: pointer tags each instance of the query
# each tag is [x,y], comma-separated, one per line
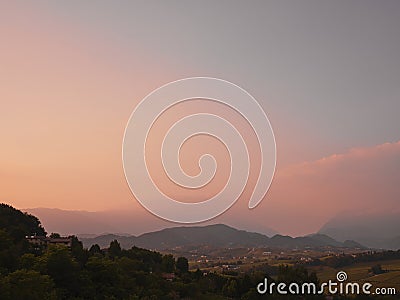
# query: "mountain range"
[120,222]
[371,230]
[218,236]
[379,231]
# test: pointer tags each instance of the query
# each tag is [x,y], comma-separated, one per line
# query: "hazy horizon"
[55,224]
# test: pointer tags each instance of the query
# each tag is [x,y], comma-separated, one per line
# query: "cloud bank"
[362,180]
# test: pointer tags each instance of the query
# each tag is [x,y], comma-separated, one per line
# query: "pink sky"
[67,91]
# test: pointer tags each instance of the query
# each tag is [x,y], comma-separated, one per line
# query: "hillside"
[120,222]
[18,224]
[219,236]
[372,230]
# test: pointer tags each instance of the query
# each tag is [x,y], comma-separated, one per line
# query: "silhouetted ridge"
[218,236]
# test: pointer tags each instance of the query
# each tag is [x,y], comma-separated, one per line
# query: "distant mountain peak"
[375,230]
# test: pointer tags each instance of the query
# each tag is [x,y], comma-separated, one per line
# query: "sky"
[327,73]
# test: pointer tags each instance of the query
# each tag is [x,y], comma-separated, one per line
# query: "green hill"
[18,224]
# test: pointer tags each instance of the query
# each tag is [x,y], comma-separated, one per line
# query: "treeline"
[14,226]
[59,272]
[34,271]
[343,260]
[113,273]
[50,272]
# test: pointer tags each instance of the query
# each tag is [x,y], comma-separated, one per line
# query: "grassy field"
[361,273]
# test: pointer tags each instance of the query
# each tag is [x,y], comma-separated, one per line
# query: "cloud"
[305,196]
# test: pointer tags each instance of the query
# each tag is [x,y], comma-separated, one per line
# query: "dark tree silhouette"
[115,249]
[182,265]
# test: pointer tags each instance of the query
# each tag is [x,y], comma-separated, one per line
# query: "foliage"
[27,284]
[377,269]
[182,265]
[61,272]
[343,260]
[18,224]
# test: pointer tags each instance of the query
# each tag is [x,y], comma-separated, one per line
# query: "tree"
[105,277]
[18,224]
[15,226]
[168,263]
[81,255]
[230,289]
[377,269]
[28,261]
[115,249]
[58,262]
[95,249]
[27,284]
[182,264]
[7,257]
